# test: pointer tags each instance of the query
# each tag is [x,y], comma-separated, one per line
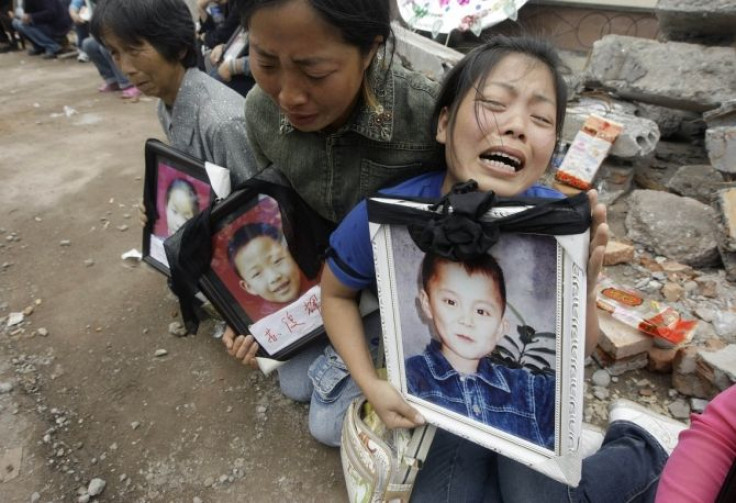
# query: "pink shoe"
[108,87]
[131,93]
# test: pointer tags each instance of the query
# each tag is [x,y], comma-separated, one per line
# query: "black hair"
[485,264]
[246,234]
[165,24]
[472,71]
[185,185]
[358,21]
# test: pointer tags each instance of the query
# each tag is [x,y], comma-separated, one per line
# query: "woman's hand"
[225,71]
[216,53]
[142,217]
[598,241]
[243,348]
[390,406]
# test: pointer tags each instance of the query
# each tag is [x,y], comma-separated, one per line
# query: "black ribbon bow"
[456,227]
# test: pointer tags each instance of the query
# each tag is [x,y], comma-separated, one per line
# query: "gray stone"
[677,227]
[679,409]
[638,138]
[701,182]
[720,142]
[672,74]
[6,387]
[673,123]
[160,352]
[601,393]
[725,115]
[614,179]
[177,329]
[724,323]
[423,54]
[698,405]
[35,497]
[719,367]
[601,378]
[705,21]
[96,486]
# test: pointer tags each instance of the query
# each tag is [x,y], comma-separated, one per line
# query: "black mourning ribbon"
[455,229]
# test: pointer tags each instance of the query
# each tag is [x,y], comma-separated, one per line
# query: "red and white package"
[587,152]
[648,316]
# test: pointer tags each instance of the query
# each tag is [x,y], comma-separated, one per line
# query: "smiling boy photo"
[464,303]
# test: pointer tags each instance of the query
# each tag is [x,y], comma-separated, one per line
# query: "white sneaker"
[591,439]
[665,429]
[82,57]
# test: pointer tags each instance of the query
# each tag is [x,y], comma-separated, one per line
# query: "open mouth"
[503,160]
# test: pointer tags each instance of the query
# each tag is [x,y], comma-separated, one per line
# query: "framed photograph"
[176,188]
[491,349]
[255,278]
[236,45]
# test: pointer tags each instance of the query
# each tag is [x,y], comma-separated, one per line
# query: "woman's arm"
[345,329]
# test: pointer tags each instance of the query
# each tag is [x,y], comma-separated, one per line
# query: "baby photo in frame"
[490,348]
[256,279]
[176,189]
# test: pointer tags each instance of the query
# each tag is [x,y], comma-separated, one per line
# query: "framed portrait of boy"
[176,188]
[490,348]
[264,275]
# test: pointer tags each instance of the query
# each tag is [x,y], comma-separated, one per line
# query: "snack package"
[648,316]
[587,152]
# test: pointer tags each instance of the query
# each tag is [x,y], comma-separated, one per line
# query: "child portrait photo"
[176,189]
[456,317]
[258,280]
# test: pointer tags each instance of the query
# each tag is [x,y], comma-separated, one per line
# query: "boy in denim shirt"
[465,303]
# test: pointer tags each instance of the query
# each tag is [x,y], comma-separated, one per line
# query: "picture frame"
[236,45]
[176,187]
[261,279]
[541,333]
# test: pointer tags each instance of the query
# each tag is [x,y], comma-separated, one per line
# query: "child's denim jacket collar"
[374,123]
[442,370]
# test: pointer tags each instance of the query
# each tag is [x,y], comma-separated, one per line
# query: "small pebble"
[135,425]
[602,378]
[89,262]
[6,387]
[123,228]
[35,497]
[679,409]
[177,329]
[698,404]
[160,352]
[96,486]
[43,332]
[65,242]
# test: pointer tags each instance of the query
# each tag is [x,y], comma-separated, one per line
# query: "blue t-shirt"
[351,254]
[515,401]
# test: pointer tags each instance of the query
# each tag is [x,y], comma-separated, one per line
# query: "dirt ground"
[90,399]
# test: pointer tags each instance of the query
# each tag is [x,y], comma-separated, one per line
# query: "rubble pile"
[671,172]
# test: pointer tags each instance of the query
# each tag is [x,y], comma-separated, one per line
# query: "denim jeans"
[626,469]
[82,31]
[38,36]
[104,63]
[334,389]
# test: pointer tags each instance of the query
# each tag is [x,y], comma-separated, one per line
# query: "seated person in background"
[213,31]
[114,79]
[45,23]
[465,303]
[8,36]
[80,12]
[153,43]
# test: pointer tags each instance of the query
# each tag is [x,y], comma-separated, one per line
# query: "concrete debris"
[721,145]
[673,123]
[643,70]
[677,227]
[699,182]
[614,179]
[705,21]
[177,329]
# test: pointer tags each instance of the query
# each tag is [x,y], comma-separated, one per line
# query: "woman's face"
[504,133]
[268,270]
[304,65]
[146,68]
